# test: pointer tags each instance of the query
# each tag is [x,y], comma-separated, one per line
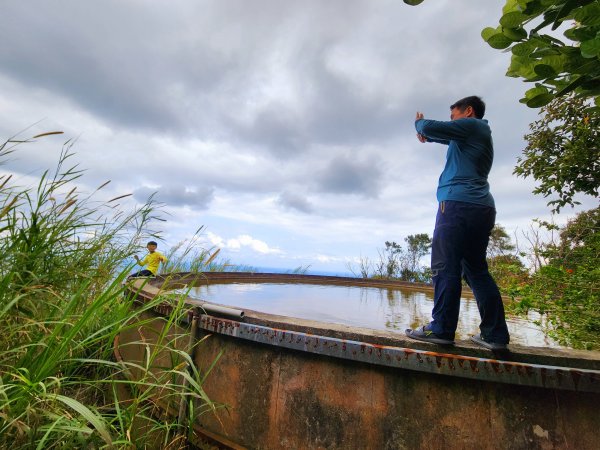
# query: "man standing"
[465,218]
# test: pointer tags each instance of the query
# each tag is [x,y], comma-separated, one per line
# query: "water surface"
[369,307]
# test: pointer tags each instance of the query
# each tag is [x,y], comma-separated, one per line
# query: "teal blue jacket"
[468,159]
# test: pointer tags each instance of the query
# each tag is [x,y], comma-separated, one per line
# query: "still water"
[368,307]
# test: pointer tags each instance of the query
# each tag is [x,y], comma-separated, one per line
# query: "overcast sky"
[286,128]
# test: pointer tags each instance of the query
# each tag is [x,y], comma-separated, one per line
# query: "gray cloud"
[174,196]
[350,174]
[294,201]
[222,68]
[274,128]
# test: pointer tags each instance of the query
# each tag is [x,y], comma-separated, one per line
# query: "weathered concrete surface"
[290,399]
[281,398]
[278,398]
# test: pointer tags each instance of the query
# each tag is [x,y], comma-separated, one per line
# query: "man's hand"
[136,257]
[420,137]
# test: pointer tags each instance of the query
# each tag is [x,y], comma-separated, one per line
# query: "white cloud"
[242,242]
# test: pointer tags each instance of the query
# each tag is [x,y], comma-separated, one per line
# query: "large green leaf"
[588,15]
[570,86]
[545,52]
[499,41]
[544,70]
[522,67]
[591,48]
[557,62]
[565,10]
[512,5]
[514,34]
[540,100]
[583,66]
[523,48]
[513,19]
[533,8]
[581,33]
[535,91]
[488,32]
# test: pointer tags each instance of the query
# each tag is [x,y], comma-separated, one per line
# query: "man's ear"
[470,111]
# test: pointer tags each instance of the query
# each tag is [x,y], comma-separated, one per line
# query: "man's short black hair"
[474,102]
[152,243]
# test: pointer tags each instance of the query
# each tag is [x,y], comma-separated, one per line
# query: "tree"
[505,266]
[389,264]
[396,262]
[567,288]
[563,152]
[557,68]
[579,241]
[499,243]
[417,246]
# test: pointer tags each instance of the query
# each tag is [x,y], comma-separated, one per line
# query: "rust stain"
[451,363]
[408,352]
[496,366]
[474,365]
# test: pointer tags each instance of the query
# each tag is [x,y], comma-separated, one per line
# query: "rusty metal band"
[486,369]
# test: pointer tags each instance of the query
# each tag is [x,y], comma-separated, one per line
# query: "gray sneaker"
[479,340]
[426,335]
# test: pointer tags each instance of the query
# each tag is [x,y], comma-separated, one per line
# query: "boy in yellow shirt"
[152,259]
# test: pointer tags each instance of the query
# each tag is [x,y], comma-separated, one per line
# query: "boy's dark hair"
[152,243]
[474,102]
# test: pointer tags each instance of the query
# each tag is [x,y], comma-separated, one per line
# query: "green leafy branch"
[555,67]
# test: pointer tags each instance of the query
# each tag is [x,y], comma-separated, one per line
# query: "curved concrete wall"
[285,389]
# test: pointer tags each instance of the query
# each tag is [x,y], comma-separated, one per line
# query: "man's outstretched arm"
[421,137]
[441,131]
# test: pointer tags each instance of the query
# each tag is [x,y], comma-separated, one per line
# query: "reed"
[61,306]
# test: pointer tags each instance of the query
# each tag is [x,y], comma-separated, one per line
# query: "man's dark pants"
[460,240]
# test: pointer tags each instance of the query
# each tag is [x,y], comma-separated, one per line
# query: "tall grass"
[191,255]
[61,306]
